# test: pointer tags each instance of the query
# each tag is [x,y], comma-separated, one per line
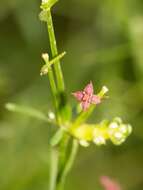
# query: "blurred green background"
[104,43]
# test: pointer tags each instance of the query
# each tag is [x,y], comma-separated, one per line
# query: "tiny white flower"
[99,140]
[105,89]
[123,128]
[113,125]
[118,135]
[84,143]
[51,115]
[45,56]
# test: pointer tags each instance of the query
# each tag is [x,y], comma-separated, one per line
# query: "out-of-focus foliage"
[104,43]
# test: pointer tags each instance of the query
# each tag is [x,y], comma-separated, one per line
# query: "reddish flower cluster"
[87,97]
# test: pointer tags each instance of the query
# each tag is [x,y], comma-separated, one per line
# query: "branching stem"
[54,50]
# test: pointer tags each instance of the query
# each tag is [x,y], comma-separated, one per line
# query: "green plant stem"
[53,87]
[64,162]
[54,50]
[63,147]
[52,84]
[83,116]
[53,168]
[68,165]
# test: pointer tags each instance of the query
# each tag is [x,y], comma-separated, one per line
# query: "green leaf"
[31,112]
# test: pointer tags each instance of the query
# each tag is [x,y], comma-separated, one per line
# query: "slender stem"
[57,58]
[56,139]
[53,86]
[53,168]
[71,159]
[68,165]
[54,50]
[83,117]
[63,147]
[63,162]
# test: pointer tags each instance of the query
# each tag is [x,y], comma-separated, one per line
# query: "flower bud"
[84,143]
[45,56]
[118,131]
[44,70]
[100,140]
[51,115]
[103,91]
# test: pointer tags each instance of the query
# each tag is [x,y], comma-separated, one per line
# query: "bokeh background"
[104,43]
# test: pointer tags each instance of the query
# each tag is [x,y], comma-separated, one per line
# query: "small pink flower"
[87,97]
[109,184]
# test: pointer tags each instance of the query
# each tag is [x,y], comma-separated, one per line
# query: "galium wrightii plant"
[70,132]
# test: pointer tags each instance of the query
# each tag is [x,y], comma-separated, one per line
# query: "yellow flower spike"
[84,132]
[116,131]
[87,133]
[100,136]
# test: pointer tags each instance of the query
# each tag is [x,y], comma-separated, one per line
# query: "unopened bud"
[83,143]
[45,56]
[118,131]
[44,70]
[99,140]
[51,115]
[103,91]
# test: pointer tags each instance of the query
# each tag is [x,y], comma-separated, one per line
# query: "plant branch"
[53,168]
[51,80]
[54,50]
[68,164]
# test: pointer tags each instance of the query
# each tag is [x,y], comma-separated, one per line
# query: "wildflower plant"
[71,131]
